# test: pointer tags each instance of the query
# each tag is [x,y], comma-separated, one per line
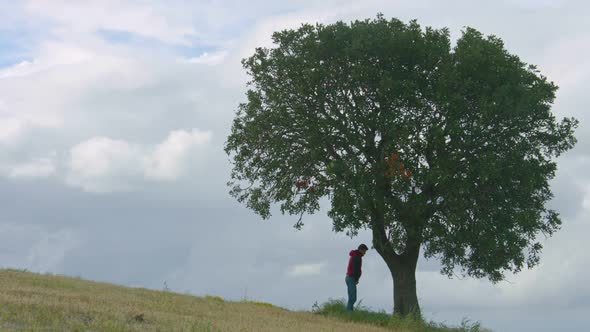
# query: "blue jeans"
[351,285]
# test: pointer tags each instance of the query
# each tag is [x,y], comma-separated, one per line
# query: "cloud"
[70,90]
[36,248]
[49,252]
[43,93]
[11,130]
[149,20]
[536,4]
[567,68]
[19,69]
[42,167]
[102,164]
[209,58]
[169,157]
[305,269]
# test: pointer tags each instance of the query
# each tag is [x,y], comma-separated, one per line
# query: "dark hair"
[363,247]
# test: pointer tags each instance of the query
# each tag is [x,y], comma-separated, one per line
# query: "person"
[353,274]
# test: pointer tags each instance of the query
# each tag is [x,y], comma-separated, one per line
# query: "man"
[353,273]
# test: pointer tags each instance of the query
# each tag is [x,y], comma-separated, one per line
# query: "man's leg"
[351,285]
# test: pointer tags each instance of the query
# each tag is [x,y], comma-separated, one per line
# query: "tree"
[443,149]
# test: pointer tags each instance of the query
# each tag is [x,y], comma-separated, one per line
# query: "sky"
[113,116]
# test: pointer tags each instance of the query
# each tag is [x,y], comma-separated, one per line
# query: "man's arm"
[356,268]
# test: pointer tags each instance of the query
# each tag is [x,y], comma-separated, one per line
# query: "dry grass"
[33,302]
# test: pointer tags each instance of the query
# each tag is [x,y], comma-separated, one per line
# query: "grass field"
[34,302]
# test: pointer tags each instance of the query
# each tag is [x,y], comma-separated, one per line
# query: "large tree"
[437,148]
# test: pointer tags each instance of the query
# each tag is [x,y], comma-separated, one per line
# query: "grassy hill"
[31,302]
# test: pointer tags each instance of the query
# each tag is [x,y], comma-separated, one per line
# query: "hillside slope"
[31,301]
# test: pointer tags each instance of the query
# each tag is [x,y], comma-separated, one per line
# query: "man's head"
[363,249]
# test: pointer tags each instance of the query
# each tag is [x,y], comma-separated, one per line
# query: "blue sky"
[14,47]
[113,115]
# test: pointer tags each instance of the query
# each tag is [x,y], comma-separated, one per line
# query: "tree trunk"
[405,299]
[403,272]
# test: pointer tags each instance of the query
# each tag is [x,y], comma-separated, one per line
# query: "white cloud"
[39,168]
[305,270]
[209,58]
[536,4]
[20,69]
[146,20]
[42,93]
[57,53]
[586,201]
[96,88]
[49,252]
[11,130]
[35,248]
[169,157]
[102,164]
[564,62]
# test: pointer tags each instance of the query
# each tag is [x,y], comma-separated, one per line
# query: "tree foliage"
[449,148]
